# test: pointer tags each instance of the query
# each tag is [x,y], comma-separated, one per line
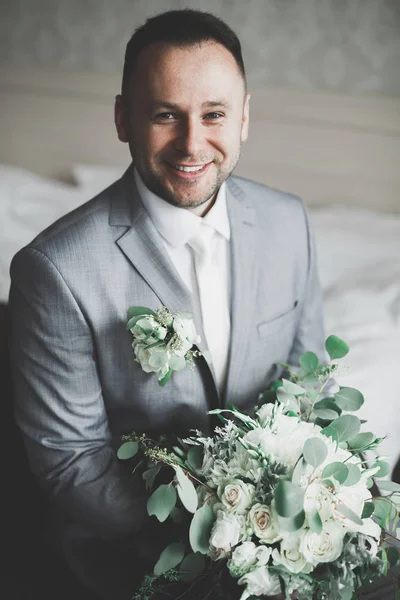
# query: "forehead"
[204,68]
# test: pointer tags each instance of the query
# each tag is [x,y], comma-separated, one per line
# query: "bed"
[340,153]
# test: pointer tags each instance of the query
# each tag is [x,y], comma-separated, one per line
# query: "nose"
[190,137]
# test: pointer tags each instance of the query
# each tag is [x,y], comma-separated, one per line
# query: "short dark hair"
[185,27]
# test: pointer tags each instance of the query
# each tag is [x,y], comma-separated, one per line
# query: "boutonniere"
[162,341]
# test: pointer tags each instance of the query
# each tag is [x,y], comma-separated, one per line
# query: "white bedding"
[358,254]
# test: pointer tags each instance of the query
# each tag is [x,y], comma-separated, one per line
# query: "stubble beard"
[154,182]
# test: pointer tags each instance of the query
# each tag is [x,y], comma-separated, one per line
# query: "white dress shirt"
[178,225]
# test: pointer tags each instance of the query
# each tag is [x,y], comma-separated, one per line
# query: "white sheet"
[358,254]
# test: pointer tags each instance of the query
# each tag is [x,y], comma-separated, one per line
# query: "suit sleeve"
[310,333]
[59,405]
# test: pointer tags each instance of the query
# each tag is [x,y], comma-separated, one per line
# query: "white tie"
[213,299]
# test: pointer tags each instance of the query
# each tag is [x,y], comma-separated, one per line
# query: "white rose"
[322,547]
[318,497]
[236,495]
[264,413]
[152,360]
[147,328]
[262,521]
[244,556]
[353,497]
[260,582]
[185,329]
[226,531]
[289,556]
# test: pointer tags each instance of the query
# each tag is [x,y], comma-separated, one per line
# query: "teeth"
[188,169]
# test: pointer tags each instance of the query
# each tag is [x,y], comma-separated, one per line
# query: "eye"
[213,116]
[166,116]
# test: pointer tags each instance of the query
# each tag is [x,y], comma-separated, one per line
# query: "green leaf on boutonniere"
[127,450]
[315,521]
[186,490]
[336,347]
[166,378]
[327,409]
[161,502]
[347,427]
[309,362]
[200,529]
[138,311]
[170,557]
[337,470]
[315,451]
[349,398]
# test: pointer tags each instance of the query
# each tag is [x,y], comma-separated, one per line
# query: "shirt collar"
[177,225]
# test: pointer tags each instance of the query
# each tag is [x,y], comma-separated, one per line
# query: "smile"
[187,169]
[189,172]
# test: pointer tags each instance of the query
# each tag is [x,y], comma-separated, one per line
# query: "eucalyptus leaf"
[389,486]
[162,501]
[384,509]
[292,523]
[384,468]
[336,347]
[309,362]
[200,529]
[289,498]
[331,432]
[349,399]
[347,427]
[292,388]
[166,378]
[195,457]
[186,490]
[177,515]
[150,475]
[337,470]
[354,475]
[288,400]
[327,409]
[170,557]
[132,322]
[361,441]
[137,311]
[128,450]
[315,451]
[368,510]
[299,470]
[191,567]
[347,512]
[315,521]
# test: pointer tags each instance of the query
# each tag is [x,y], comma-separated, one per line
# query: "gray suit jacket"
[77,387]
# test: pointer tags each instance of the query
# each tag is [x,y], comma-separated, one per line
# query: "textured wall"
[343,45]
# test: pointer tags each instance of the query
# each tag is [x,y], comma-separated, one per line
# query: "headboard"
[324,147]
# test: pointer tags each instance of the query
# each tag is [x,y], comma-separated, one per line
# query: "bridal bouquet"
[280,501]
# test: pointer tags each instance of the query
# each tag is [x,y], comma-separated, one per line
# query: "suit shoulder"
[259,193]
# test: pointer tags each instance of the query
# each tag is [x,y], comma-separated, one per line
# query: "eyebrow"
[207,104]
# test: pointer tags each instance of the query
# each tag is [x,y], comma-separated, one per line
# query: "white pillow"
[95,178]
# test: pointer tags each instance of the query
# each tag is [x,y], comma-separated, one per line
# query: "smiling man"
[177,230]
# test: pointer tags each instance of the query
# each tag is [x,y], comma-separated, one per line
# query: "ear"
[121,120]
[245,118]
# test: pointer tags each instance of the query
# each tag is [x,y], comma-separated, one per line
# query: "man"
[184,111]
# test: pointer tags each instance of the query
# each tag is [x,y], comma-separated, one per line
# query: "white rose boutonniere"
[162,341]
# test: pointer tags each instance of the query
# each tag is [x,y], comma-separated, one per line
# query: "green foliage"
[347,512]
[315,451]
[150,474]
[200,528]
[186,490]
[272,472]
[166,378]
[315,521]
[368,510]
[139,311]
[384,468]
[349,399]
[292,388]
[192,566]
[195,457]
[327,409]
[389,486]
[347,427]
[361,441]
[337,470]
[170,557]
[161,502]
[353,476]
[128,450]
[289,498]
[309,362]
[292,523]
[336,347]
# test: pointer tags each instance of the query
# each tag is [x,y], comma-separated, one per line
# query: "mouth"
[189,172]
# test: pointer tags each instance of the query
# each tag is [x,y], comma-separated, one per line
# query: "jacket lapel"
[244,265]
[143,246]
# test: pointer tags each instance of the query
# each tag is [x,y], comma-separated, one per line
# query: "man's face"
[186,119]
